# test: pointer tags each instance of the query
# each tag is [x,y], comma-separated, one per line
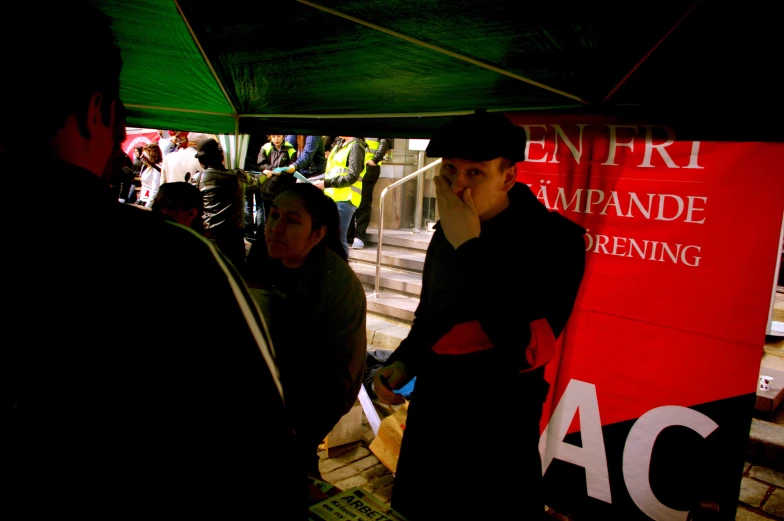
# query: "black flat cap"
[478,137]
[207,147]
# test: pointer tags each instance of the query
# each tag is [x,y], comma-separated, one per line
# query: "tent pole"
[236,142]
[403,114]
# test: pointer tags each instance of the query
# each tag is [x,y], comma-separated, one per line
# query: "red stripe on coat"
[469,337]
[462,339]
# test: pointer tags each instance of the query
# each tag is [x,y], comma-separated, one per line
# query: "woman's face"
[289,231]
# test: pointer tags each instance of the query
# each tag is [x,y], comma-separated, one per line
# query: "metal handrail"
[381,217]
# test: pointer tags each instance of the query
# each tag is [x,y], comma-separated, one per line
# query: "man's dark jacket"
[156,400]
[311,161]
[486,388]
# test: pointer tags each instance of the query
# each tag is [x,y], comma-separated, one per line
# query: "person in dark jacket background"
[224,200]
[498,259]
[274,158]
[311,160]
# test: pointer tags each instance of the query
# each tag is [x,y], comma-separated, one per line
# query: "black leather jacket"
[223,192]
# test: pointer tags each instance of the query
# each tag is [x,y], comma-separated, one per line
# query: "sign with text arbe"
[355,504]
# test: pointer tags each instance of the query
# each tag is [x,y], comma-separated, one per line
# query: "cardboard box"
[386,445]
[348,429]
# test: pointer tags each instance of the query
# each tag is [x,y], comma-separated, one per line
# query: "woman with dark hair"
[316,312]
[151,174]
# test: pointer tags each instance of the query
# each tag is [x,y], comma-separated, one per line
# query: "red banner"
[139,137]
[660,359]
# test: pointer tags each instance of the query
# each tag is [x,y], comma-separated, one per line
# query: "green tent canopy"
[402,68]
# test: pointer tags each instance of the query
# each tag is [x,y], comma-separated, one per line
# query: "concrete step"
[768,402]
[391,256]
[766,436]
[393,304]
[385,333]
[766,443]
[774,346]
[405,238]
[397,280]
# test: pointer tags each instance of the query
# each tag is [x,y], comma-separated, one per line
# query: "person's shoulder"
[533,219]
[150,225]
[358,147]
[549,225]
[525,207]
[134,215]
[159,236]
[341,274]
[242,174]
[191,255]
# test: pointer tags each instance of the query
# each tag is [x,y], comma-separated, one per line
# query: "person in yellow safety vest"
[343,179]
[357,231]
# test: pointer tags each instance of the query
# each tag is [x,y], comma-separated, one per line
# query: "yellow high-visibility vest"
[373,143]
[268,148]
[337,165]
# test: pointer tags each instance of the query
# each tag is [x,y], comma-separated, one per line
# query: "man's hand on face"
[459,219]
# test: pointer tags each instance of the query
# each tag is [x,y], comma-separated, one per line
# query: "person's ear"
[318,235]
[101,111]
[191,215]
[510,176]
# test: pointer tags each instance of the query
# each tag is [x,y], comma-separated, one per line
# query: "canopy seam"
[206,60]
[444,51]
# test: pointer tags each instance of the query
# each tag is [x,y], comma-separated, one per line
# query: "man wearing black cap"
[224,199]
[500,280]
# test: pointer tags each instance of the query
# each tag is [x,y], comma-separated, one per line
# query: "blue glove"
[280,169]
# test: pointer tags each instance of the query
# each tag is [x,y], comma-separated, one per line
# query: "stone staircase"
[391,312]
[766,437]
